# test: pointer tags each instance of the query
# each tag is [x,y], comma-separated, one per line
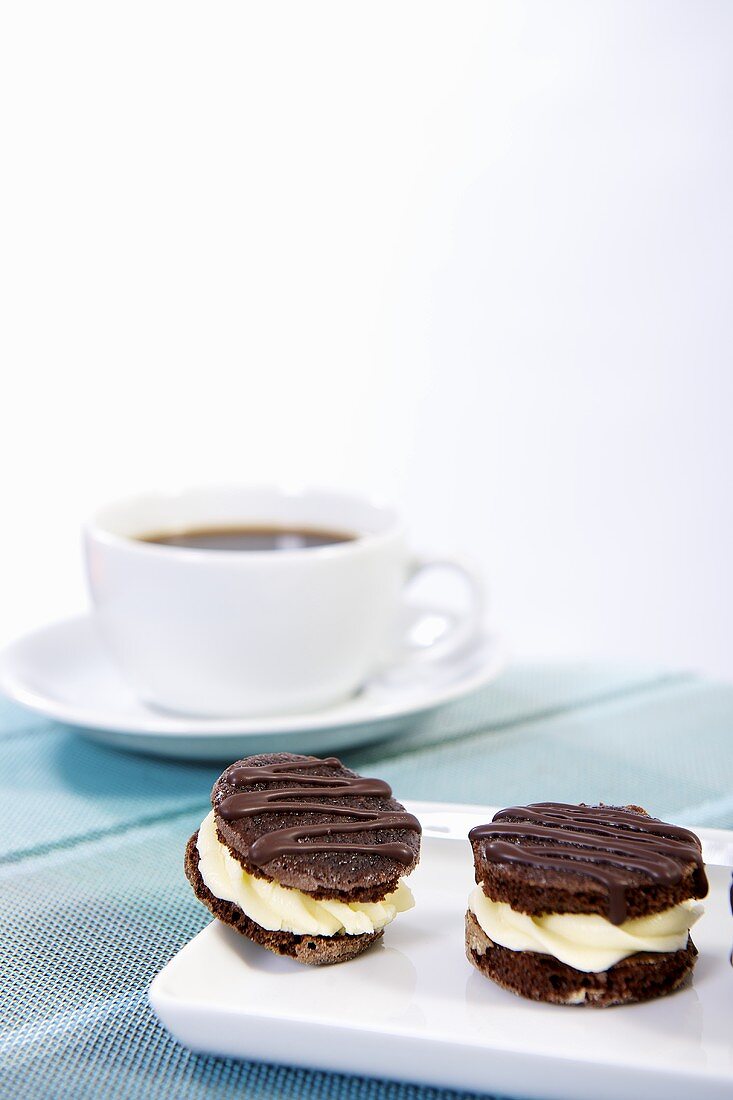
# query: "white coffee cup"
[227,633]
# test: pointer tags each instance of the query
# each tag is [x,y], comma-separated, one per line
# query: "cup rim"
[94,527]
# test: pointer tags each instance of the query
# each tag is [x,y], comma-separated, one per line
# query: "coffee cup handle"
[419,644]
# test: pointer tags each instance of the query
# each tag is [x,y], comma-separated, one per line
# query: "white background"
[472,257]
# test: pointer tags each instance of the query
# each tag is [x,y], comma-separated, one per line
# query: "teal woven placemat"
[93,900]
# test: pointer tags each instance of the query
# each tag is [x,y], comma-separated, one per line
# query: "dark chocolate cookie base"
[641,977]
[313,950]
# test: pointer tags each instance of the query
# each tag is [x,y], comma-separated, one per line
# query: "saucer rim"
[153,724]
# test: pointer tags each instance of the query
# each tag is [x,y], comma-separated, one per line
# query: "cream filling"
[280,909]
[585,941]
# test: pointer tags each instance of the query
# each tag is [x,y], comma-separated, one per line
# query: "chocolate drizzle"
[605,843]
[293,799]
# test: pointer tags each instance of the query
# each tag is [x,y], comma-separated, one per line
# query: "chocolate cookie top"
[315,825]
[620,849]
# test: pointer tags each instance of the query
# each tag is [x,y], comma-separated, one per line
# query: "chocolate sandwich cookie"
[304,856]
[584,904]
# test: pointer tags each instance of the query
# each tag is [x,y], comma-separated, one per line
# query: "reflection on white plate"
[64,672]
[414,1009]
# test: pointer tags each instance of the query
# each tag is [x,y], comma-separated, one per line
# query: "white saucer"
[64,672]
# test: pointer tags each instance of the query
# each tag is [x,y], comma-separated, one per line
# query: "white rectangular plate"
[413,1009]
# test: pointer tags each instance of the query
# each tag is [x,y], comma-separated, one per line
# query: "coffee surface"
[250,537]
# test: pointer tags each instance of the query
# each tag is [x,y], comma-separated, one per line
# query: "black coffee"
[250,538]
